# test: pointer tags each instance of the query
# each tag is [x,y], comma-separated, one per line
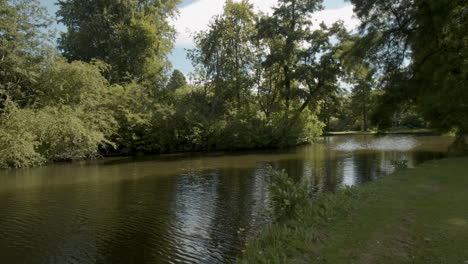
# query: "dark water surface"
[175,208]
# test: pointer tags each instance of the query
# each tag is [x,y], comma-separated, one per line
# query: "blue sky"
[195,15]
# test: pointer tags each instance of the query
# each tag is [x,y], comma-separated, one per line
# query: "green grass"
[351,133]
[400,131]
[417,215]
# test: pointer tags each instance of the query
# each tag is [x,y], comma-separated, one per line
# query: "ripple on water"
[158,212]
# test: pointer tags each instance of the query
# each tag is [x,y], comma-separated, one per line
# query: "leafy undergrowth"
[416,215]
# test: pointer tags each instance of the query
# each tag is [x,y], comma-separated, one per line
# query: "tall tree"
[133,36]
[362,101]
[176,81]
[333,108]
[305,58]
[286,29]
[420,48]
[362,78]
[226,52]
[23,46]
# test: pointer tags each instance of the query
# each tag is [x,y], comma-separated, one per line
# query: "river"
[178,208]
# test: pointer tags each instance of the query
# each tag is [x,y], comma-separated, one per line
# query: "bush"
[292,131]
[30,137]
[75,83]
[286,193]
[17,144]
[67,133]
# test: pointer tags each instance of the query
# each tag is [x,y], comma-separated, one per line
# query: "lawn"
[372,132]
[416,215]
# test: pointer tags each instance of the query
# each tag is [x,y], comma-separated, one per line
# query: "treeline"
[357,109]
[99,96]
[260,81]
[106,89]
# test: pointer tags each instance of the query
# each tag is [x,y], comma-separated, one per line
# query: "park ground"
[416,215]
[387,132]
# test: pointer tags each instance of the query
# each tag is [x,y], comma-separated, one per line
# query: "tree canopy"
[23,47]
[133,37]
[261,80]
[420,50]
[177,80]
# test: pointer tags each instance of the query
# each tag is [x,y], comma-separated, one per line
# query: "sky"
[196,14]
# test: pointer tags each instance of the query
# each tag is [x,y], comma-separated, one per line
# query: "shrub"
[30,137]
[17,144]
[67,133]
[74,83]
[287,193]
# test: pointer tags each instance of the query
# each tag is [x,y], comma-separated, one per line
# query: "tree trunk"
[287,84]
[365,120]
[459,147]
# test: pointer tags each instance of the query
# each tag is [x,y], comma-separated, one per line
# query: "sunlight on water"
[349,172]
[387,143]
[179,208]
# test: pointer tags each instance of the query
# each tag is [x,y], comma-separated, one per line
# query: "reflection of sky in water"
[349,172]
[194,213]
[386,143]
[204,207]
[185,208]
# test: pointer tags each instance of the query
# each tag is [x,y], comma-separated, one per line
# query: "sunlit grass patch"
[413,216]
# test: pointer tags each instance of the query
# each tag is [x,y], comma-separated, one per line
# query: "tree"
[361,101]
[420,49]
[72,84]
[362,78]
[226,53]
[23,48]
[133,36]
[306,58]
[286,29]
[333,110]
[176,81]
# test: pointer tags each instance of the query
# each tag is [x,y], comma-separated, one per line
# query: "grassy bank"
[417,215]
[372,132]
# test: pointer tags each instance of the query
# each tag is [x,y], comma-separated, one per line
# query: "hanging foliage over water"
[420,49]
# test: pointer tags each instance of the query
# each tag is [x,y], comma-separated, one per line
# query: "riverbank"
[423,131]
[416,215]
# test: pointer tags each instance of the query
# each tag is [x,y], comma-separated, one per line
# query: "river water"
[181,208]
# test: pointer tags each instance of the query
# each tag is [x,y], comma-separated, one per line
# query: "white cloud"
[330,16]
[196,17]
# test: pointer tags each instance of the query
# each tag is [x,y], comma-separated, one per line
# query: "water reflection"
[181,208]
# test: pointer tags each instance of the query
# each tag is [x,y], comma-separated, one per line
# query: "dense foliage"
[261,80]
[23,47]
[420,49]
[110,93]
[34,136]
[133,36]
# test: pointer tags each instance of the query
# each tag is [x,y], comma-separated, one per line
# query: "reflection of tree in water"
[163,211]
[137,222]
[365,167]
[122,222]
[213,212]
[198,215]
[330,171]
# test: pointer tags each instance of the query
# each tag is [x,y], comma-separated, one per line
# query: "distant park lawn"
[373,132]
[416,215]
